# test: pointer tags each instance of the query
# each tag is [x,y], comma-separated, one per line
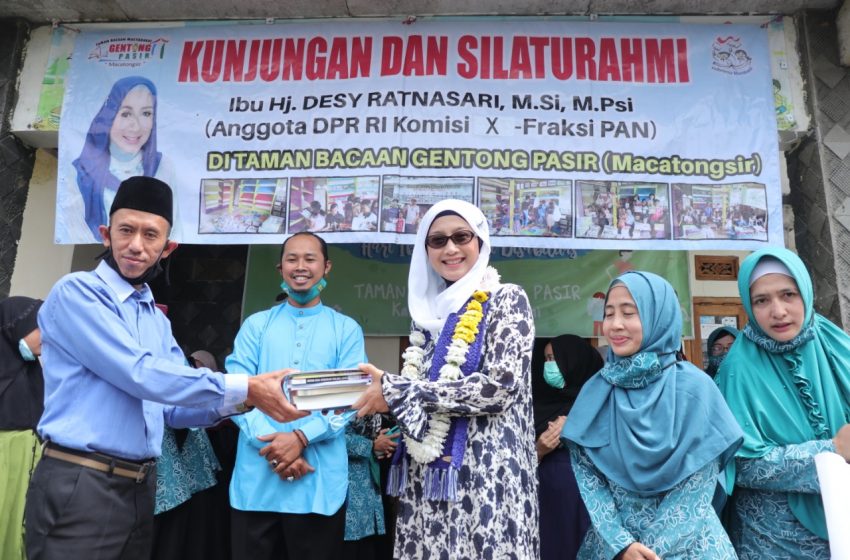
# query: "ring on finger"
[274,463]
[290,478]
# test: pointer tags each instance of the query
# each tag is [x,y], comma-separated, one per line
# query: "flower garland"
[465,333]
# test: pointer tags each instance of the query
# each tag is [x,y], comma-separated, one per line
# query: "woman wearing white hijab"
[465,470]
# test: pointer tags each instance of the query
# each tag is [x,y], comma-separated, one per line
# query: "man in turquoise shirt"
[291,479]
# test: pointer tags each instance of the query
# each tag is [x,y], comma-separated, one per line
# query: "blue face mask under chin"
[552,375]
[25,351]
[304,297]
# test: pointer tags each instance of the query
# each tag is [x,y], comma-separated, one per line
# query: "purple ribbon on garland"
[441,474]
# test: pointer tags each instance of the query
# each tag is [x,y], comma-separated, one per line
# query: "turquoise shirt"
[306,339]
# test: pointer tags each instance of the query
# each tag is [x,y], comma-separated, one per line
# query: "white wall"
[383,352]
[40,263]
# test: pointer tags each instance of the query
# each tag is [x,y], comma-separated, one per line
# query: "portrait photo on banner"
[120,142]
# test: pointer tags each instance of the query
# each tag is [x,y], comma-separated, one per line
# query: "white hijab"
[428,299]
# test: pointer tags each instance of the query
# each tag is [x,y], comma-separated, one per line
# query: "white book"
[834,478]
[325,376]
[326,389]
[326,401]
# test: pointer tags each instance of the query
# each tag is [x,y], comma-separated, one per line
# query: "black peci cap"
[145,194]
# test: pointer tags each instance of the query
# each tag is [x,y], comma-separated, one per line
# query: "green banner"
[368,282]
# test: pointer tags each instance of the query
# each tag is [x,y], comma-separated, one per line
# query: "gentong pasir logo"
[128,52]
[729,56]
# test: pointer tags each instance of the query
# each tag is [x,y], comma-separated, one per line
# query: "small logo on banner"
[729,56]
[128,52]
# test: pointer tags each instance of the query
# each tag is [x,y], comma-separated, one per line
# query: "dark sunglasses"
[460,237]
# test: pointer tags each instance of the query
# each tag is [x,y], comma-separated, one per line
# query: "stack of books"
[336,389]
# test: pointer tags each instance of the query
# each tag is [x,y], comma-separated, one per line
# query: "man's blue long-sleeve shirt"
[113,373]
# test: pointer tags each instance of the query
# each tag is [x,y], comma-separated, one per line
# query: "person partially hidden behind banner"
[465,470]
[290,480]
[787,380]
[113,375]
[648,436]
[120,143]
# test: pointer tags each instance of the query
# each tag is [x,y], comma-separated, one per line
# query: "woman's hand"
[637,551]
[842,442]
[385,444]
[372,400]
[551,438]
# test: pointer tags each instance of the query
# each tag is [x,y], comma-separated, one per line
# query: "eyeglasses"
[717,349]
[460,237]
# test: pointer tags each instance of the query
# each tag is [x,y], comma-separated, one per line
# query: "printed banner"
[566,288]
[53,82]
[566,134]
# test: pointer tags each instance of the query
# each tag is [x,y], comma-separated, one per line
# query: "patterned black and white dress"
[495,515]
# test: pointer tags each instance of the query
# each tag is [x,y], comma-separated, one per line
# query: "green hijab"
[787,393]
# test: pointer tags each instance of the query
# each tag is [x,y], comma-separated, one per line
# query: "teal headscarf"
[715,361]
[648,421]
[791,392]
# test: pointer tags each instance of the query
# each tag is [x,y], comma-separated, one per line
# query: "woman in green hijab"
[787,381]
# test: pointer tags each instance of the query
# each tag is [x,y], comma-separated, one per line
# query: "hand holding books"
[372,400]
[264,394]
[327,389]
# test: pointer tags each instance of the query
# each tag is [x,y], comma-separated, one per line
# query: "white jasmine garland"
[491,280]
[413,358]
[438,424]
[456,353]
[417,339]
[431,445]
[450,372]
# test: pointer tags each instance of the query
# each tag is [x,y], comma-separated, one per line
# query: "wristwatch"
[243,407]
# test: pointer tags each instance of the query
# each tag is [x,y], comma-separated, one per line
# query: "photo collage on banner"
[513,207]
[618,210]
[733,211]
